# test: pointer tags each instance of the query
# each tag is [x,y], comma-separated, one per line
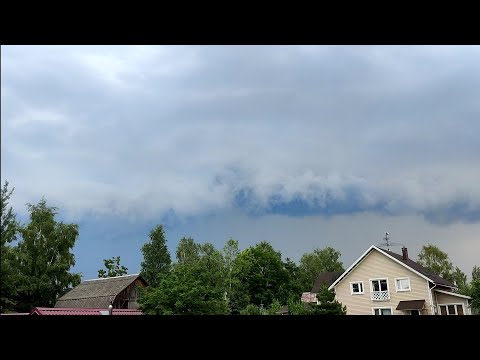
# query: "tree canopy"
[43,258]
[8,228]
[112,268]
[156,258]
[316,262]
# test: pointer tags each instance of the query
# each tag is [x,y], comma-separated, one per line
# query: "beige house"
[382,282]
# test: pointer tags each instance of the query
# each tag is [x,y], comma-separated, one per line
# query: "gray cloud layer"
[139,131]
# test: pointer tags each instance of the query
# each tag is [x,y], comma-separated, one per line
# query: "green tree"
[476,273]
[8,225]
[156,258]
[188,251]
[194,286]
[113,268]
[9,229]
[327,305]
[230,254]
[298,307]
[44,258]
[261,274]
[274,308]
[251,309]
[316,262]
[475,295]
[435,260]
[292,286]
[473,290]
[460,280]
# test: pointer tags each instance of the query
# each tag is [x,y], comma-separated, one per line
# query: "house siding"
[443,299]
[376,265]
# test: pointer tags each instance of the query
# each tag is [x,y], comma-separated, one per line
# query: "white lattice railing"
[380,295]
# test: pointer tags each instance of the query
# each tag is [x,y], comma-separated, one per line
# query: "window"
[451,309]
[379,289]
[402,284]
[382,311]
[356,288]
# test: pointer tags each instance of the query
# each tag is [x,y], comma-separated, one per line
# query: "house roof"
[419,268]
[409,264]
[453,294]
[96,293]
[325,278]
[82,311]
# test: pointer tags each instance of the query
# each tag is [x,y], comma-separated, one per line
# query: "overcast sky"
[301,146]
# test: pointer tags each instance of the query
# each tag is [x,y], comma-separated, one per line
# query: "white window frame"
[409,284]
[380,278]
[382,307]
[455,304]
[357,293]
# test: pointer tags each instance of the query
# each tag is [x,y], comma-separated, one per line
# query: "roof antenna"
[387,242]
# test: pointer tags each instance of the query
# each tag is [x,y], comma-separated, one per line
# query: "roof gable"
[96,293]
[409,264]
[325,278]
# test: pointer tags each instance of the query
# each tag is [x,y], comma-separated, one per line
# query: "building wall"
[446,299]
[376,265]
[128,298]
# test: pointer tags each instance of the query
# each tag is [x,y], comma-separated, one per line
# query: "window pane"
[355,288]
[375,285]
[383,285]
[360,285]
[451,310]
[459,310]
[386,312]
[443,310]
[403,284]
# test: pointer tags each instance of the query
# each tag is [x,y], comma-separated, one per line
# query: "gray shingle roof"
[96,293]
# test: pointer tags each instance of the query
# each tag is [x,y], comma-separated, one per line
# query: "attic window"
[356,288]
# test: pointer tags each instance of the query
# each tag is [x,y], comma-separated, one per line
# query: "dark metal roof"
[325,278]
[419,268]
[96,293]
[80,311]
[411,305]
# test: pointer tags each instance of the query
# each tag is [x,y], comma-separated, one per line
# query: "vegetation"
[113,268]
[316,262]
[9,229]
[36,262]
[36,257]
[156,258]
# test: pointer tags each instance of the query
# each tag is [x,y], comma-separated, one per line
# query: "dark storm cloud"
[143,131]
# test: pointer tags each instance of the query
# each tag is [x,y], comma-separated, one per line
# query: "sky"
[301,146]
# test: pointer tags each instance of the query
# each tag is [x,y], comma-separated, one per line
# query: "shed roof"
[96,293]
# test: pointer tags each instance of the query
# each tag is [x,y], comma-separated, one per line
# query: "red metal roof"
[81,311]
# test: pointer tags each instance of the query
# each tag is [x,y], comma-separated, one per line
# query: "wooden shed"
[119,291]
